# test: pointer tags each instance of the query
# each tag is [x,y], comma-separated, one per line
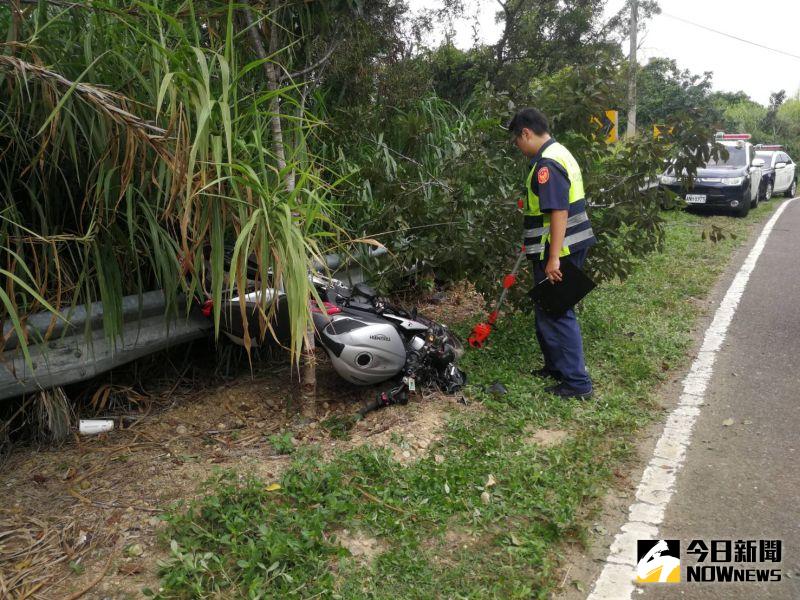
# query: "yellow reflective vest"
[579,232]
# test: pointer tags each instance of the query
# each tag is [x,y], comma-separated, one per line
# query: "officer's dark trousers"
[560,337]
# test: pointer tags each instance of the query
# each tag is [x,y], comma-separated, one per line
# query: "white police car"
[780,173]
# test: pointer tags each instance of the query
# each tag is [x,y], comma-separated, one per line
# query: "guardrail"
[77,348]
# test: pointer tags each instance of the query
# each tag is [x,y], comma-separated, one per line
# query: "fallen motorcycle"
[370,341]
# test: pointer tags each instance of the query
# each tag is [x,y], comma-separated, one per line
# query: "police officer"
[557,229]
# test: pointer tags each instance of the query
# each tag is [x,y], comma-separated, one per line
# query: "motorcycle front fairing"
[364,350]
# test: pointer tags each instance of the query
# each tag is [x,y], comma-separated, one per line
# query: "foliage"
[788,123]
[432,184]
[248,540]
[454,73]
[174,158]
[746,116]
[543,37]
[777,123]
[617,178]
[438,183]
[140,179]
[361,40]
[664,91]
[282,442]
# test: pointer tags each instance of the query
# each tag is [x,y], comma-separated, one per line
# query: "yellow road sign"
[607,124]
[660,131]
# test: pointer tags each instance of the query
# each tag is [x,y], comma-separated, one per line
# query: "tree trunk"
[634,69]
[308,371]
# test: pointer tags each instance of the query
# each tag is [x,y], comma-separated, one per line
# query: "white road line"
[658,480]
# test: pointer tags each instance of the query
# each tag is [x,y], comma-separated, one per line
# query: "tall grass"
[135,145]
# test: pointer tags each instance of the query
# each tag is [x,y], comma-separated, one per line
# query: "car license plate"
[696,198]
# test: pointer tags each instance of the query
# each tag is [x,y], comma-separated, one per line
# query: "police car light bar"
[769,147]
[736,136]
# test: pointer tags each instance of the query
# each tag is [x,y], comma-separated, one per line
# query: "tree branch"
[320,62]
[510,15]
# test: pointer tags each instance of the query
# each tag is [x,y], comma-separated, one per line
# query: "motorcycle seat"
[363,290]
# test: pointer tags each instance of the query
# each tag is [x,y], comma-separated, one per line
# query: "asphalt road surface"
[741,479]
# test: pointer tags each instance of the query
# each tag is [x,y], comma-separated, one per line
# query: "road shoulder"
[581,566]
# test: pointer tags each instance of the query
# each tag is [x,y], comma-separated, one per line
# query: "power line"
[728,35]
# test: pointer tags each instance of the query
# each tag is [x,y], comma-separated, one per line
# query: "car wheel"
[792,191]
[768,191]
[744,206]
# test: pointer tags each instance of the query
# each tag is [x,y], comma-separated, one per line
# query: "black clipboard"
[557,298]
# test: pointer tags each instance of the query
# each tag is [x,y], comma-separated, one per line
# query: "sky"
[736,65]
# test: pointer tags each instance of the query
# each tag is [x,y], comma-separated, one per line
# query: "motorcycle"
[369,340]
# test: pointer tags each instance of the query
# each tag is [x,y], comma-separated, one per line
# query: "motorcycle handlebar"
[398,395]
[334,262]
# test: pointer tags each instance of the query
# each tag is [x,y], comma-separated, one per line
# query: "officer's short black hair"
[531,118]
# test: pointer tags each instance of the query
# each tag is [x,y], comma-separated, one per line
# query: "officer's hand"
[553,269]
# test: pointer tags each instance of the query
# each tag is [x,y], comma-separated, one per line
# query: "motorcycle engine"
[431,360]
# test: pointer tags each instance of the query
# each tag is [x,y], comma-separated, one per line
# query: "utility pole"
[633,69]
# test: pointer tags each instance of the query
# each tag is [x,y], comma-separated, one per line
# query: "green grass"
[242,540]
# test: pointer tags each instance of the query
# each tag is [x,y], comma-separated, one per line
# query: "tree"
[788,123]
[543,36]
[665,91]
[746,117]
[770,124]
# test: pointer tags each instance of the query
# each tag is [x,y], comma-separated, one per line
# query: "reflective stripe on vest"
[581,217]
[568,241]
[541,234]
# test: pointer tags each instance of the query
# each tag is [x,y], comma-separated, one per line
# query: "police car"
[780,174]
[733,183]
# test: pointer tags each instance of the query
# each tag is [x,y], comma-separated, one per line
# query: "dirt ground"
[81,519]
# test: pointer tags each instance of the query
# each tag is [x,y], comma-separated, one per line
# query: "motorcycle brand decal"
[380,337]
[543,175]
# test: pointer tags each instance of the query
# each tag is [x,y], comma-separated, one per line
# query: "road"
[739,478]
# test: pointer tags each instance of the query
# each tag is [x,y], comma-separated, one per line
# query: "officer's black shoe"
[544,373]
[564,391]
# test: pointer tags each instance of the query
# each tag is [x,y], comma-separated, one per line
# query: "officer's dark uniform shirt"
[554,192]
[551,183]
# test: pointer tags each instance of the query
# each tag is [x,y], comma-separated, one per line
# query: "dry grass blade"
[97,579]
[105,101]
[32,552]
[55,414]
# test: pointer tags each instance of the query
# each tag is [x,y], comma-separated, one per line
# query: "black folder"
[557,298]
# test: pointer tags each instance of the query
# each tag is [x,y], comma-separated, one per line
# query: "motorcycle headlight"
[732,180]
[668,179]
